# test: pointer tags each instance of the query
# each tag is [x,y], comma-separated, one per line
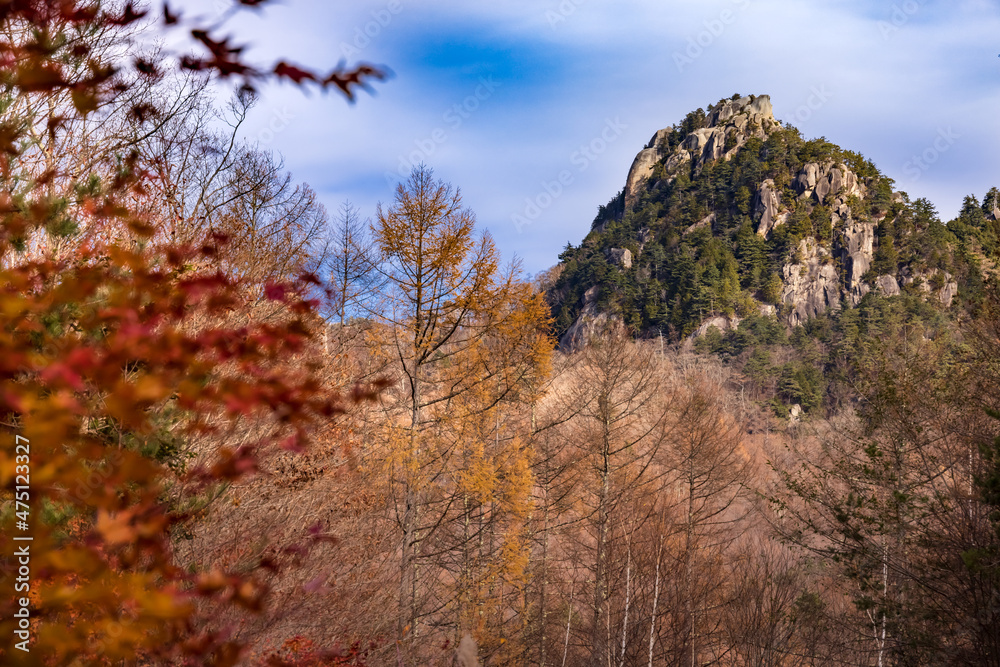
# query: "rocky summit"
[726,131]
[730,215]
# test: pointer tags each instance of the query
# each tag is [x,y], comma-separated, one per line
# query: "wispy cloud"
[564,66]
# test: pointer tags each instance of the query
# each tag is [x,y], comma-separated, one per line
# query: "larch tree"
[557,472]
[708,467]
[468,336]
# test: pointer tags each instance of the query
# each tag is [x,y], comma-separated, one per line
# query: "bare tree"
[621,426]
[709,468]
[351,263]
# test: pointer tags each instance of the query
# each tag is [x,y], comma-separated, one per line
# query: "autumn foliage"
[233,433]
[119,351]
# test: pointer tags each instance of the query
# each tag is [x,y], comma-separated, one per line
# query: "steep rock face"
[856,245]
[766,207]
[645,161]
[815,183]
[728,127]
[948,293]
[830,184]
[812,286]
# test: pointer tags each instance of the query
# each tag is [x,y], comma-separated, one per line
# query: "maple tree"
[105,336]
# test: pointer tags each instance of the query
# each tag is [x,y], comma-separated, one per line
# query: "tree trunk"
[656,600]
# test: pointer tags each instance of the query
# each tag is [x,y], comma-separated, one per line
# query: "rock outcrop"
[587,323]
[887,285]
[856,245]
[948,292]
[819,288]
[817,181]
[826,183]
[642,166]
[728,126]
[766,207]
[938,282]
[812,286]
[721,323]
[621,257]
[707,221]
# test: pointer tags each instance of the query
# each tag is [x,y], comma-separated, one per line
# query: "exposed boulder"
[621,257]
[707,221]
[795,414]
[590,321]
[756,109]
[645,236]
[929,282]
[948,293]
[674,162]
[721,323]
[807,179]
[887,285]
[812,286]
[817,181]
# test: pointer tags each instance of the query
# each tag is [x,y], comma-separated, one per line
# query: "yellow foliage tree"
[469,338]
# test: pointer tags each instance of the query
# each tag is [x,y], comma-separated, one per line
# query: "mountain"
[732,218]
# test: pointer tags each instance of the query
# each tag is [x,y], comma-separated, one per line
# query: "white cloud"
[888,92]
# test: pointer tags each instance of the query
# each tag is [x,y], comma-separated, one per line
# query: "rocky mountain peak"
[756,108]
[728,216]
[718,134]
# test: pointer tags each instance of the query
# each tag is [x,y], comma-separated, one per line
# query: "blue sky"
[505,98]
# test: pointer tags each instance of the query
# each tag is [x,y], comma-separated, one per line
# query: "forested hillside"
[730,214]
[753,419]
[737,233]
